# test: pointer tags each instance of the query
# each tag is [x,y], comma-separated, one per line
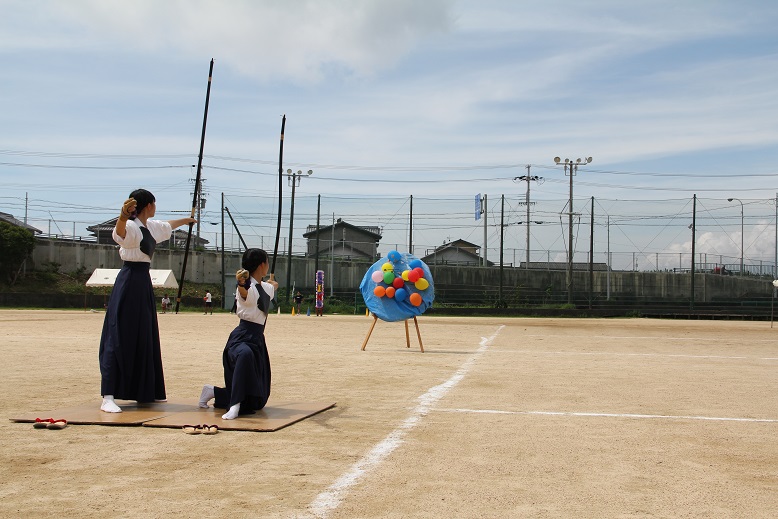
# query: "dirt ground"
[498,418]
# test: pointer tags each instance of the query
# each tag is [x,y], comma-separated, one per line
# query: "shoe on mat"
[210,429]
[192,429]
[58,424]
[41,423]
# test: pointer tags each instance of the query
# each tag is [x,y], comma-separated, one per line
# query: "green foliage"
[16,244]
[51,266]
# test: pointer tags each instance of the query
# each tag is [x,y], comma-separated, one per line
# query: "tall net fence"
[729,235]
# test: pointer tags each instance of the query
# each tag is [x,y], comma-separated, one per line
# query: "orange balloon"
[390,291]
[379,291]
[416,299]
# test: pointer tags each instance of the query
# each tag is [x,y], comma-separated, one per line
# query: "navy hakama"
[246,369]
[130,354]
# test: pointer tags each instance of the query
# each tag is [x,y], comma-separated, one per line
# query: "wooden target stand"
[407,333]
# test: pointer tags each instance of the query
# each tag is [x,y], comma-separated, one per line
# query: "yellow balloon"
[422,284]
[405,275]
[387,267]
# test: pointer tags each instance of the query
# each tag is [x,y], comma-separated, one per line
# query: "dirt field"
[498,418]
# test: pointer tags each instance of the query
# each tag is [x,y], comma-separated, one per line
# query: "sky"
[404,106]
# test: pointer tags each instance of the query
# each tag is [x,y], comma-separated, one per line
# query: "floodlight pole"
[573,170]
[741,232]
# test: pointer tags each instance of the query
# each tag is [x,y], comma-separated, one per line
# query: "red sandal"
[58,424]
[42,423]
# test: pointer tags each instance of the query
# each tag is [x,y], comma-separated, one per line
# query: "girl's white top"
[129,249]
[248,310]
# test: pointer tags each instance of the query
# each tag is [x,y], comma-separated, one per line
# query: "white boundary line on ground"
[331,498]
[610,415]
[624,354]
[642,337]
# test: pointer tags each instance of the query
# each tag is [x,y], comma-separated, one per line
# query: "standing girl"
[130,355]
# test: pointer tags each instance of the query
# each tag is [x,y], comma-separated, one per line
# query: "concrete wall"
[475,285]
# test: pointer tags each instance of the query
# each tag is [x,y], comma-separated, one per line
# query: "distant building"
[344,240]
[8,218]
[103,233]
[457,252]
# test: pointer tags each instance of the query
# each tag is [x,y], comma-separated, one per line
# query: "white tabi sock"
[205,396]
[232,413]
[109,406]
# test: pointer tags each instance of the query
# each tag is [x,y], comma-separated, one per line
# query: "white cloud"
[302,40]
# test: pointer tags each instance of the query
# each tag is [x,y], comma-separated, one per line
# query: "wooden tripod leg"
[407,335]
[375,320]
[418,332]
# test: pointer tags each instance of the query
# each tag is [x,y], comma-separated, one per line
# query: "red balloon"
[413,276]
[420,271]
[398,283]
[415,299]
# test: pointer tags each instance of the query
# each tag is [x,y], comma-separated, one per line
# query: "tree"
[16,244]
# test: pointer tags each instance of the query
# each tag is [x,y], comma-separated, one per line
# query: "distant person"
[245,358]
[165,303]
[208,303]
[130,355]
[298,301]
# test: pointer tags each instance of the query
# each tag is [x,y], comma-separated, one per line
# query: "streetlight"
[741,232]
[293,179]
[573,169]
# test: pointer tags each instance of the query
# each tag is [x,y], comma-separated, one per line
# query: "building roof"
[108,225]
[458,244]
[373,231]
[8,218]
[457,247]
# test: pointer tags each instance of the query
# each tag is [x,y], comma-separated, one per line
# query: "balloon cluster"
[393,286]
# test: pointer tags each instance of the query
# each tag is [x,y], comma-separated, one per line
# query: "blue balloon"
[394,256]
[415,264]
[401,294]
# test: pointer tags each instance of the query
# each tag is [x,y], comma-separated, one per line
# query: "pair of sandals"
[50,423]
[201,429]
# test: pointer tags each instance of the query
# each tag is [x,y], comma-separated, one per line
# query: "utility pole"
[591,258]
[572,171]
[694,228]
[318,219]
[484,213]
[410,228]
[224,285]
[502,230]
[742,228]
[200,201]
[527,202]
[294,179]
[608,259]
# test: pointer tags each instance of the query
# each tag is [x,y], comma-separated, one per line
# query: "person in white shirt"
[130,356]
[245,358]
[208,303]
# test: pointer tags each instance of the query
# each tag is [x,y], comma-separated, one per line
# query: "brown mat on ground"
[271,418]
[132,413]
